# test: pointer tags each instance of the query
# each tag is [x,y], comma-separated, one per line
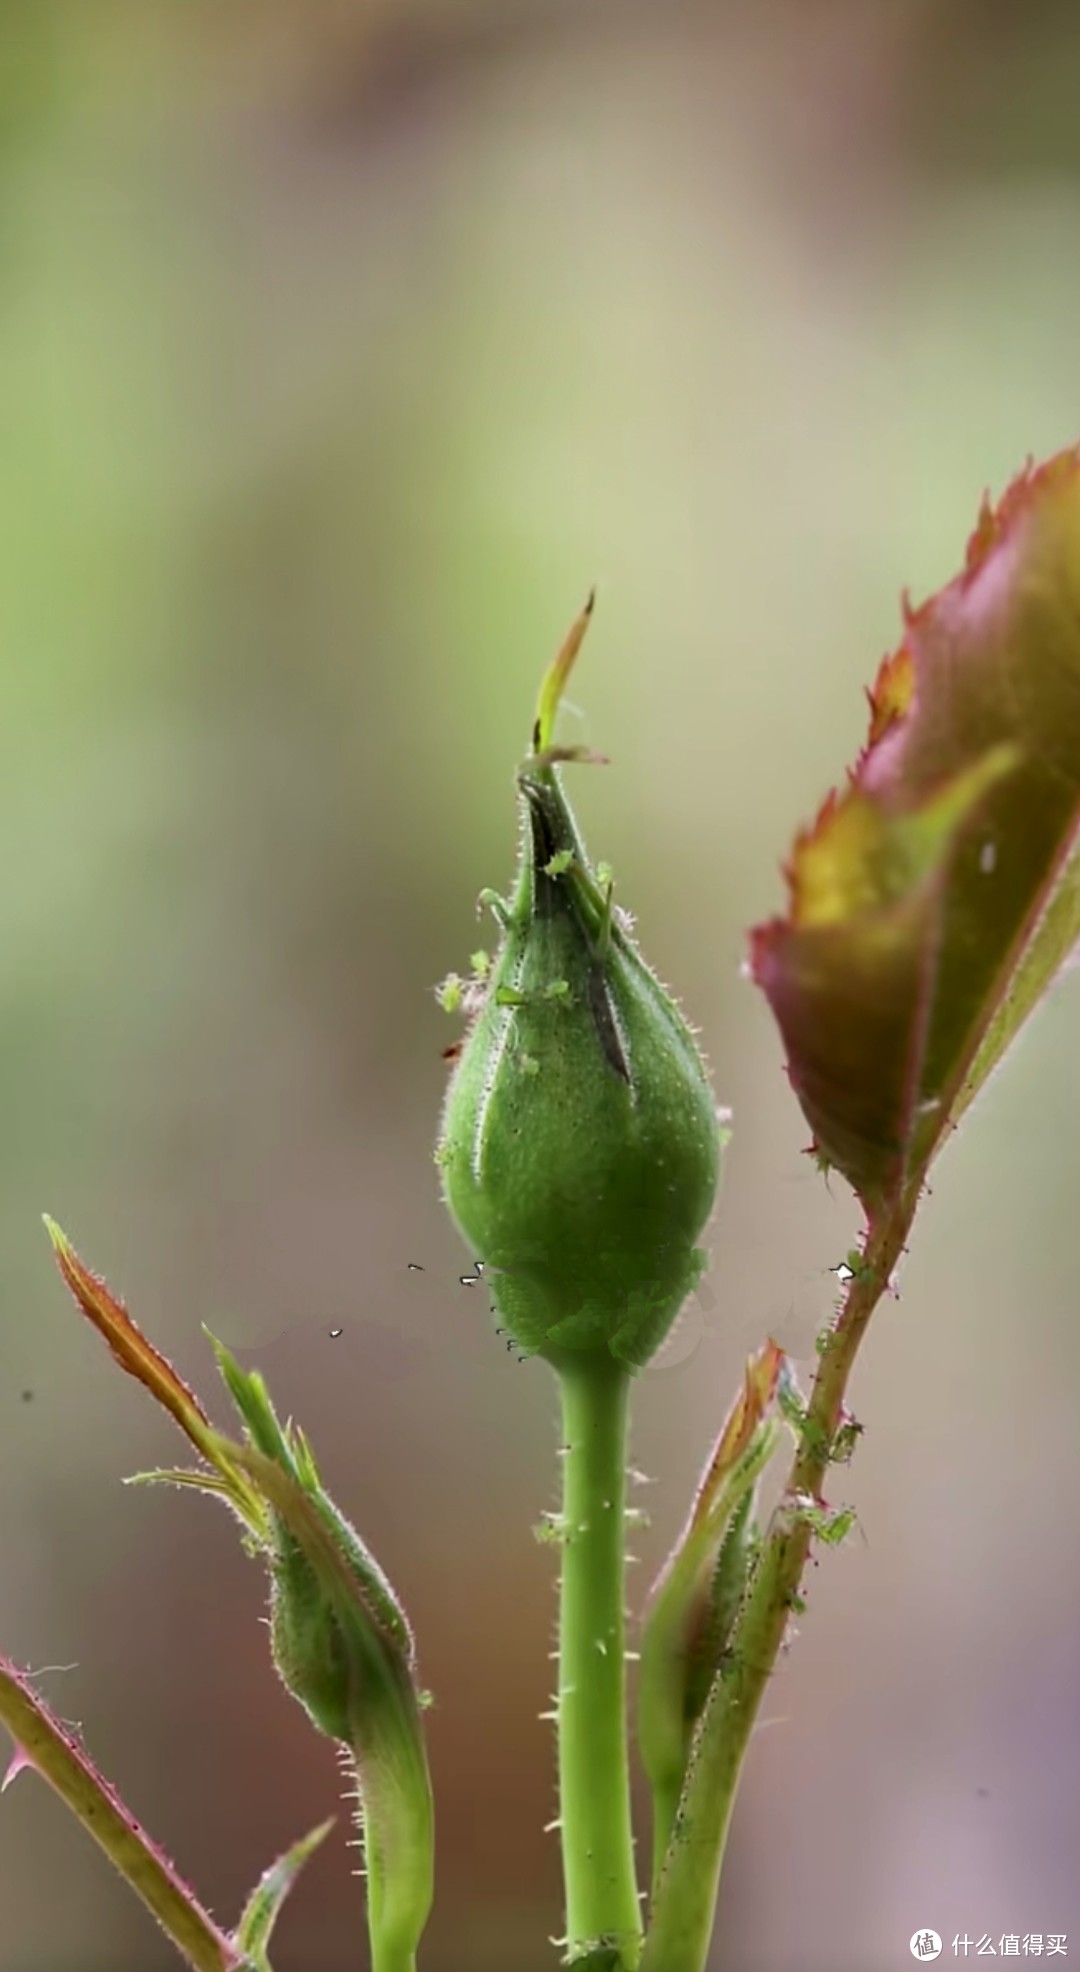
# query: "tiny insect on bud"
[579,1148]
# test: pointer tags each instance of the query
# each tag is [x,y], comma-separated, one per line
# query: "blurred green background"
[342,347]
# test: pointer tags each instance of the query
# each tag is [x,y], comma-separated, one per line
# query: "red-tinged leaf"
[1052,942]
[135,1354]
[128,1344]
[936,897]
[760,1378]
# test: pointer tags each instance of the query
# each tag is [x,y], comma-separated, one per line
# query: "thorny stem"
[50,1749]
[685,1901]
[594,1785]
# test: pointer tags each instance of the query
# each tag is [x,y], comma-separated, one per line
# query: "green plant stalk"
[684,1906]
[665,1808]
[594,1782]
[399,1899]
[58,1759]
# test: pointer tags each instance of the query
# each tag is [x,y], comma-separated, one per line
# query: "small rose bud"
[695,1602]
[340,1638]
[579,1148]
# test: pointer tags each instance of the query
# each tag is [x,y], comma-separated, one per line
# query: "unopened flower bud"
[580,1148]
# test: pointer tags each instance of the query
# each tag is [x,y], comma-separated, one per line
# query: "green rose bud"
[580,1148]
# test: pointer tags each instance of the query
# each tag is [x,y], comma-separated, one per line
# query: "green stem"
[684,1905]
[665,1806]
[54,1754]
[594,1783]
[391,1949]
[399,1853]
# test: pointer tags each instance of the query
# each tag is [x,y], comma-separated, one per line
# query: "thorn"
[18,1761]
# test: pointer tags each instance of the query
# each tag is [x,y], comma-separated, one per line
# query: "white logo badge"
[925,1945]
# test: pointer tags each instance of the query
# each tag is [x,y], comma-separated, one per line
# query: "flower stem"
[398,1838]
[594,1784]
[685,1900]
[47,1746]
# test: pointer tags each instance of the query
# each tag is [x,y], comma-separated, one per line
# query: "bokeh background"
[342,346]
